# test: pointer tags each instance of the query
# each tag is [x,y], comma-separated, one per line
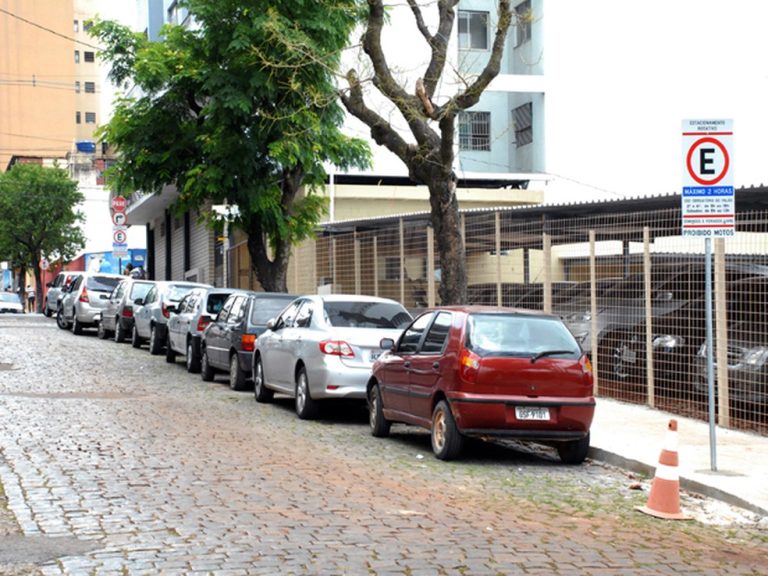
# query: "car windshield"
[366,314]
[8,297]
[176,292]
[140,290]
[102,283]
[264,309]
[519,335]
[215,303]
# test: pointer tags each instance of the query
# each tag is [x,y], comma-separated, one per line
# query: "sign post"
[119,228]
[709,211]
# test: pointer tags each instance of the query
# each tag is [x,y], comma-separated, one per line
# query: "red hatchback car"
[485,371]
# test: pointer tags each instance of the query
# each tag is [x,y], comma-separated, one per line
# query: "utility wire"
[60,35]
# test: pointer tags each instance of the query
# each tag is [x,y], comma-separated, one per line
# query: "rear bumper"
[568,417]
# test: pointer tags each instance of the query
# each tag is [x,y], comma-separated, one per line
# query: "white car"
[10,303]
[323,347]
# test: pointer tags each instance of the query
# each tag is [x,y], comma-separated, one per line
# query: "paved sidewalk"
[632,436]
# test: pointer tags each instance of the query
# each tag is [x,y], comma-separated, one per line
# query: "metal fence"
[629,287]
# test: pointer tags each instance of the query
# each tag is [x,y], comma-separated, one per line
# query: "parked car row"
[460,372]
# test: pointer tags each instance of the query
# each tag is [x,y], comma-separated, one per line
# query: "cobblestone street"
[132,465]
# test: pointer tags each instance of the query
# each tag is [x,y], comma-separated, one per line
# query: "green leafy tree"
[241,109]
[39,218]
[430,116]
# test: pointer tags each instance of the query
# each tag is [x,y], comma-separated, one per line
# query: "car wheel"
[77,327]
[379,425]
[260,390]
[47,311]
[574,452]
[192,360]
[135,338]
[170,353]
[101,331]
[306,407]
[61,322]
[236,375]
[119,331]
[206,371]
[447,441]
[155,346]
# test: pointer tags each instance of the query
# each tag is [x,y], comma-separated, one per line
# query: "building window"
[77,86]
[473,30]
[90,117]
[475,131]
[76,26]
[77,118]
[522,121]
[524,19]
[77,56]
[90,87]
[89,56]
[87,25]
[392,268]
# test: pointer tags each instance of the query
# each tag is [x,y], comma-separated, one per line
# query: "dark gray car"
[228,342]
[185,326]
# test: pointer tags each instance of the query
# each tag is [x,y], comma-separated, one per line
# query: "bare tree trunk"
[450,244]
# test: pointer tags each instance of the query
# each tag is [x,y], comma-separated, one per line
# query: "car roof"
[479,309]
[349,298]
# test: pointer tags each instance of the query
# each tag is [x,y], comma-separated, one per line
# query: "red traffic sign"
[119,236]
[119,203]
[119,219]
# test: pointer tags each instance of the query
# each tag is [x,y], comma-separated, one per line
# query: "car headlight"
[668,341]
[755,357]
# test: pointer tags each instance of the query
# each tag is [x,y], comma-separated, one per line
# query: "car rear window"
[102,283]
[176,293]
[519,335]
[264,309]
[355,314]
[215,303]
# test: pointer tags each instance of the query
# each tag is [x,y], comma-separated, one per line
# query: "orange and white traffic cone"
[664,499]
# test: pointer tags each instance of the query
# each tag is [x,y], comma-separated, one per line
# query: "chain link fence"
[627,284]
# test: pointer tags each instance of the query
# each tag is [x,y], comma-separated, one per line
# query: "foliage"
[39,216]
[429,114]
[239,109]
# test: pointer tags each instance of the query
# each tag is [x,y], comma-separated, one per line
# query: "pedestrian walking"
[30,298]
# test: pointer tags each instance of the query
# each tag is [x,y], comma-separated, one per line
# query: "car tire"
[61,322]
[47,311]
[101,332]
[307,408]
[447,441]
[170,353]
[77,327]
[135,338]
[236,374]
[155,346]
[261,393]
[206,371]
[379,425]
[192,360]
[575,451]
[119,331]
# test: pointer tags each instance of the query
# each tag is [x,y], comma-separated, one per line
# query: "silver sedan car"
[323,347]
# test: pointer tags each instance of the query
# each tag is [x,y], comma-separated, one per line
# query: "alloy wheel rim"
[439,430]
[301,392]
[374,408]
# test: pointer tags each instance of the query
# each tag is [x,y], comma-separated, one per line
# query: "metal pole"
[710,355]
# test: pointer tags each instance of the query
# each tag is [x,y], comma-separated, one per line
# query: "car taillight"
[84,295]
[586,364]
[469,366]
[127,312]
[202,322]
[247,342]
[337,348]
[166,312]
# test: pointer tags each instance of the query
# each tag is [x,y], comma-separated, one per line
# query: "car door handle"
[406,364]
[435,365]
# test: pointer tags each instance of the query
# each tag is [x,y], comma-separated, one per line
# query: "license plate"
[375,355]
[531,413]
[629,356]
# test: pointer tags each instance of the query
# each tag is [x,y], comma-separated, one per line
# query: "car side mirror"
[272,324]
[48,284]
[387,344]
[103,296]
[139,302]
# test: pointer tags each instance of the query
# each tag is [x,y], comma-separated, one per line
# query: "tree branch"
[439,45]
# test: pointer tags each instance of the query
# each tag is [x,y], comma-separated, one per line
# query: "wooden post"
[648,315]
[593,310]
[721,335]
[498,258]
[430,266]
[547,254]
